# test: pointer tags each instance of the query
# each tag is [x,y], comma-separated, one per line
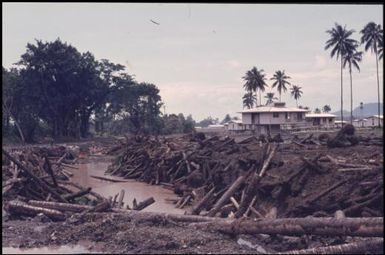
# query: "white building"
[373,121]
[272,118]
[323,120]
[235,125]
[359,123]
[338,123]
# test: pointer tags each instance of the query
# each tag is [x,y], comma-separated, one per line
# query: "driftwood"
[360,247]
[225,197]
[78,194]
[107,178]
[120,201]
[143,204]
[21,208]
[34,177]
[60,206]
[202,203]
[366,227]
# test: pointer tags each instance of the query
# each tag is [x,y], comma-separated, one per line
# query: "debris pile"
[221,177]
[30,176]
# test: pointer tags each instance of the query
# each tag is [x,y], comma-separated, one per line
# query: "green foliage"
[280,81]
[326,108]
[56,90]
[176,124]
[207,121]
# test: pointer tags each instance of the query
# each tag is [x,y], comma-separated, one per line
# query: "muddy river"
[132,189]
[96,166]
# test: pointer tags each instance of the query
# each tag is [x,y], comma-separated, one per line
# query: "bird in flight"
[154,22]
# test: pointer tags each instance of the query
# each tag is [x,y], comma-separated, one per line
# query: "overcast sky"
[199,52]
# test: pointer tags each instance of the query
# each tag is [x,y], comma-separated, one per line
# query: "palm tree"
[361,108]
[326,108]
[270,98]
[296,92]
[340,43]
[248,100]
[317,110]
[381,50]
[352,58]
[372,36]
[280,81]
[255,80]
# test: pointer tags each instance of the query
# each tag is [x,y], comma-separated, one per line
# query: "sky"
[198,53]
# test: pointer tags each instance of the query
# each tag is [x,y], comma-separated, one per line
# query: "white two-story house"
[272,118]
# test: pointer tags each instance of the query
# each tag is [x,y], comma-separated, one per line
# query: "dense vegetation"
[56,91]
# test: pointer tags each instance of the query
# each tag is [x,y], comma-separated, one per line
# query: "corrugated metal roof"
[273,109]
[320,115]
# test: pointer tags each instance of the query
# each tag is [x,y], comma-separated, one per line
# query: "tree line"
[255,83]
[55,90]
[346,50]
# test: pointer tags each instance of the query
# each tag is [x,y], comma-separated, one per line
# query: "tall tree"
[280,81]
[326,108]
[340,43]
[352,58]
[372,37]
[380,50]
[226,119]
[296,92]
[270,98]
[248,100]
[255,81]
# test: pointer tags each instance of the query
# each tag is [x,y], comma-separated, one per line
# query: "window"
[299,115]
[275,115]
[287,115]
[330,119]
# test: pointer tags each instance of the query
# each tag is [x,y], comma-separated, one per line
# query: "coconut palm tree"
[372,37]
[255,80]
[381,50]
[248,100]
[270,98]
[296,92]
[280,81]
[326,108]
[352,58]
[340,43]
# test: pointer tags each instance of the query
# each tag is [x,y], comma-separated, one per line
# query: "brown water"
[132,188]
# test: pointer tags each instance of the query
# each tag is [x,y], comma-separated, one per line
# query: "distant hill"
[368,110]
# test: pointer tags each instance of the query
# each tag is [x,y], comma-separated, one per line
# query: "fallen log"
[360,247]
[226,196]
[78,194]
[143,204]
[37,179]
[366,227]
[120,201]
[107,179]
[202,203]
[21,208]
[59,206]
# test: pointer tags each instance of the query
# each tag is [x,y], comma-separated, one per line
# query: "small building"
[322,120]
[373,121]
[235,125]
[272,118]
[339,123]
[359,123]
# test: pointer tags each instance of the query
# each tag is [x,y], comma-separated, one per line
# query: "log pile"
[220,177]
[31,174]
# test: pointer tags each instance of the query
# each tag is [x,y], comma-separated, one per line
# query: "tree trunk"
[360,247]
[351,95]
[225,197]
[368,227]
[59,206]
[378,90]
[21,208]
[342,98]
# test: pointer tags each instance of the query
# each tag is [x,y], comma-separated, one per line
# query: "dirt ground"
[108,233]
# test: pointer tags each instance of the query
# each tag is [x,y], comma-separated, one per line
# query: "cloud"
[320,61]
